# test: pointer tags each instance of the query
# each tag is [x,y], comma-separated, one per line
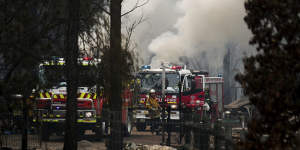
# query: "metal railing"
[11,132]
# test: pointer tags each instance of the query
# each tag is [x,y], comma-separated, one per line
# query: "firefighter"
[154,111]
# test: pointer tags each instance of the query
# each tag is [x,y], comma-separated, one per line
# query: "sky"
[191,28]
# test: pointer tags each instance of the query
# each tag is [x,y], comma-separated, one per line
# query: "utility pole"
[180,113]
[164,102]
[169,126]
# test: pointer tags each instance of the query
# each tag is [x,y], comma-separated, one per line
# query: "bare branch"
[103,9]
[135,7]
[130,30]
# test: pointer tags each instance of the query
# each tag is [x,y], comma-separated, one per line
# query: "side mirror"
[166,84]
[17,96]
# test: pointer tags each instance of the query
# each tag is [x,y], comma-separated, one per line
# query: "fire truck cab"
[199,94]
[50,107]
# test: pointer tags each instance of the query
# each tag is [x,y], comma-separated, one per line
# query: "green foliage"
[96,43]
[270,78]
[30,32]
[25,38]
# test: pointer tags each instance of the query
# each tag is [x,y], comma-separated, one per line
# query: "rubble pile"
[133,146]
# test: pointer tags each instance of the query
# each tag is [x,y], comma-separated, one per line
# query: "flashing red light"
[176,67]
[87,58]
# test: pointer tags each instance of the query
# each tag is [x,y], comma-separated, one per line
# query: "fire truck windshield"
[153,81]
[53,75]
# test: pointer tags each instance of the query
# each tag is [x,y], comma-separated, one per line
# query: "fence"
[189,132]
[11,132]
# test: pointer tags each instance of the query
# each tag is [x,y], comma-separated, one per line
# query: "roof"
[156,71]
[184,71]
[238,103]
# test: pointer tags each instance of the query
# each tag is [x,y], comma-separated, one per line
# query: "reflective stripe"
[86,121]
[48,95]
[88,96]
[85,63]
[95,96]
[61,96]
[53,120]
[90,121]
[82,95]
[79,120]
[41,95]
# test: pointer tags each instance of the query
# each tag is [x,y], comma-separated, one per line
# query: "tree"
[116,142]
[270,76]
[25,30]
[97,43]
[32,31]
[71,56]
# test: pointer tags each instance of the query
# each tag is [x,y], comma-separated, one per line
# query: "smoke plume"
[196,29]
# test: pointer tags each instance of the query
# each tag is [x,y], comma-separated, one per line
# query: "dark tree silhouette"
[71,55]
[25,29]
[116,140]
[270,76]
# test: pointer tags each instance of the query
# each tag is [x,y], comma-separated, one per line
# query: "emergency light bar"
[146,67]
[212,80]
[60,61]
[176,67]
[87,58]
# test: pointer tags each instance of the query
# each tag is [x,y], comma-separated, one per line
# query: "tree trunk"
[25,124]
[71,56]
[116,140]
[25,95]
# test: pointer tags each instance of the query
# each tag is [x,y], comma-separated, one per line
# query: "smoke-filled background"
[204,34]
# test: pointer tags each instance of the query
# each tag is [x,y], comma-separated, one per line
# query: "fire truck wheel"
[141,126]
[99,134]
[81,132]
[128,128]
[45,134]
[192,139]
[189,139]
[59,133]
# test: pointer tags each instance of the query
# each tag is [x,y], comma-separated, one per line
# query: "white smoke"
[176,28]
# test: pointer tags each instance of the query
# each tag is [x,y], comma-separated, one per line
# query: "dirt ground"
[87,142]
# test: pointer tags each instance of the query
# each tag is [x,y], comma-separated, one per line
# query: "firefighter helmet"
[152,91]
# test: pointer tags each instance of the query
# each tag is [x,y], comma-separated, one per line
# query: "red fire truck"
[151,79]
[51,103]
[210,92]
[199,94]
